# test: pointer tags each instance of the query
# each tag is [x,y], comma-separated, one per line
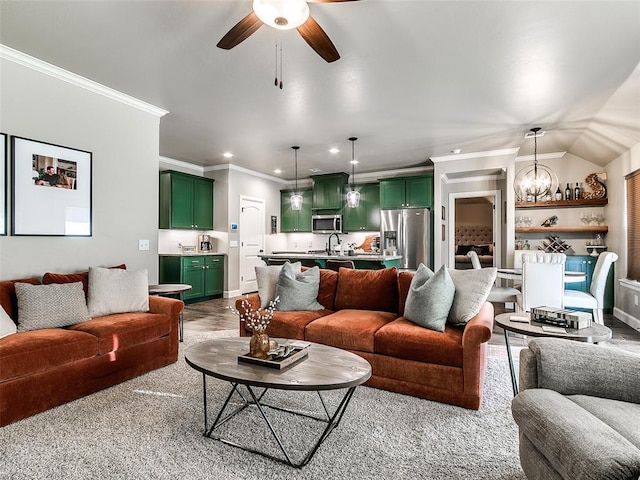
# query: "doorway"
[475,222]
[252,239]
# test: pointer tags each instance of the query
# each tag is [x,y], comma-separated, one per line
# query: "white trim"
[542,156]
[41,66]
[180,163]
[624,317]
[231,293]
[479,178]
[467,156]
[236,168]
[629,284]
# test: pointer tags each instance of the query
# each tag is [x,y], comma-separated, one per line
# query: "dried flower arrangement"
[256,320]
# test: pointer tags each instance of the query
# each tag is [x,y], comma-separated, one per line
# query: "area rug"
[151,428]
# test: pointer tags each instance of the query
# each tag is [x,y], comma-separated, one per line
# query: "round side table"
[168,289]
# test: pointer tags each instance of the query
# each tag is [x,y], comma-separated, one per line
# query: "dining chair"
[594,299]
[336,264]
[497,294]
[542,280]
[277,261]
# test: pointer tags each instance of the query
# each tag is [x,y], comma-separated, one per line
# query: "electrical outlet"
[143,245]
[635,300]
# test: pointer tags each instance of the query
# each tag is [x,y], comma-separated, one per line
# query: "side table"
[594,334]
[169,289]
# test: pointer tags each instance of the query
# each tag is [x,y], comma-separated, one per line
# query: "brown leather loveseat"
[363,314]
[40,369]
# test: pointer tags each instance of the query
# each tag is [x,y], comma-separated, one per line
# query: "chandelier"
[535,182]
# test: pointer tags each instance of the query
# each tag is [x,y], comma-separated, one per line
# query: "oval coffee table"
[594,334]
[325,368]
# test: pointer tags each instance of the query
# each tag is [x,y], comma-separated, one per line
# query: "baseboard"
[231,293]
[624,317]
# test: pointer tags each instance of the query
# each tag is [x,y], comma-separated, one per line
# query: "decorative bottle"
[558,194]
[567,192]
[576,194]
[526,245]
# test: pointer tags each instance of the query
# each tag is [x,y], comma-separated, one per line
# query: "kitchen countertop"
[373,257]
[194,254]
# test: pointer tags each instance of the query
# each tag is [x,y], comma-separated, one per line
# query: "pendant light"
[353,196]
[296,198]
[537,182]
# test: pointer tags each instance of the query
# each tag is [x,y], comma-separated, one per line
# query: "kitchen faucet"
[330,252]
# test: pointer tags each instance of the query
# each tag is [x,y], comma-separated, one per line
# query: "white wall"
[124,141]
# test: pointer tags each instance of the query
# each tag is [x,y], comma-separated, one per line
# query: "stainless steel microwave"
[326,223]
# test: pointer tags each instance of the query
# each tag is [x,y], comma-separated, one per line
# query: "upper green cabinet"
[328,191]
[186,201]
[406,192]
[295,220]
[367,215]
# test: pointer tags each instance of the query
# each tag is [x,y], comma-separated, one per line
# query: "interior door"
[252,226]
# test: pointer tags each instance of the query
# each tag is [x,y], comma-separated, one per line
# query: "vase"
[259,345]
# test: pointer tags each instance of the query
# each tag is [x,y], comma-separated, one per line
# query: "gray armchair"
[578,411]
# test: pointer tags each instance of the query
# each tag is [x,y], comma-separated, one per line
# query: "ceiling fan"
[284,15]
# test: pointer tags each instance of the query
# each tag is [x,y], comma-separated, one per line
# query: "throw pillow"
[472,290]
[430,298]
[367,289]
[298,291]
[463,249]
[50,306]
[481,249]
[267,278]
[7,327]
[117,291]
[49,278]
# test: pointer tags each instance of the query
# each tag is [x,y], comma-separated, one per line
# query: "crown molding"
[236,168]
[179,163]
[468,156]
[19,58]
[541,156]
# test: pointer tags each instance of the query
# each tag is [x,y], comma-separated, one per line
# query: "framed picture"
[3,184]
[51,188]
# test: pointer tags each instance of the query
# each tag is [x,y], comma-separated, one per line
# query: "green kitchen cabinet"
[328,193]
[186,201]
[587,264]
[406,192]
[205,274]
[365,217]
[295,220]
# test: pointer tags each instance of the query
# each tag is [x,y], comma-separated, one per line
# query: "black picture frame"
[51,189]
[3,183]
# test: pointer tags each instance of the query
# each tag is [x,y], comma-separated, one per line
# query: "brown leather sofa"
[363,314]
[41,369]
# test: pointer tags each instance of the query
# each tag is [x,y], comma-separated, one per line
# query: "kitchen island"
[364,261]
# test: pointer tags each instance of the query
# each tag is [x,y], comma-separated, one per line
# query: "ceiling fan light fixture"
[353,196]
[282,14]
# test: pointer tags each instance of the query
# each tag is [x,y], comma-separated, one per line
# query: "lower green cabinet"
[586,264]
[205,274]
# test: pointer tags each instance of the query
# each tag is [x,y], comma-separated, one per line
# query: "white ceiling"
[416,78]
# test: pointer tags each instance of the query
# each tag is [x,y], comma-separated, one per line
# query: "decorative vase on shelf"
[259,345]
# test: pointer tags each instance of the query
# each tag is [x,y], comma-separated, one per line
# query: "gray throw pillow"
[472,290]
[298,291]
[267,278]
[113,290]
[50,306]
[430,298]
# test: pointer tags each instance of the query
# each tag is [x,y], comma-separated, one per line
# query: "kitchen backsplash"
[169,240]
[303,242]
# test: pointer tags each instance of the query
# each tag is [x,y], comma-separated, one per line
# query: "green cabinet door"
[214,275]
[392,193]
[186,201]
[419,191]
[295,220]
[328,191]
[193,273]
[203,204]
[367,215]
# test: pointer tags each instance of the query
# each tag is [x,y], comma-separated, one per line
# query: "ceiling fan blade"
[241,31]
[317,39]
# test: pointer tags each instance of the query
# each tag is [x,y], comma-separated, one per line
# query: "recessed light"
[456,151]
[334,150]
[315,170]
[354,162]
[277,170]
[227,155]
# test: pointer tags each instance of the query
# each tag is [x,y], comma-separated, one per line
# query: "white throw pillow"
[50,306]
[7,327]
[113,290]
[472,290]
[267,278]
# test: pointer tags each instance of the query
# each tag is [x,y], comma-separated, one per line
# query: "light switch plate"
[233,243]
[143,245]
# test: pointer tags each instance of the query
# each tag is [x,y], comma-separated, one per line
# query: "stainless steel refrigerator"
[406,232]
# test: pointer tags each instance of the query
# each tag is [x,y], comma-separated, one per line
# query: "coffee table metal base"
[254,400]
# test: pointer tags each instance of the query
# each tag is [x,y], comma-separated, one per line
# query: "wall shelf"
[553,229]
[586,202]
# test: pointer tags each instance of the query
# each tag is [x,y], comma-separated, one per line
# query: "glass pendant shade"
[282,14]
[296,201]
[353,199]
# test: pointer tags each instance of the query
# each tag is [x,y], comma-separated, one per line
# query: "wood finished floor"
[215,315]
